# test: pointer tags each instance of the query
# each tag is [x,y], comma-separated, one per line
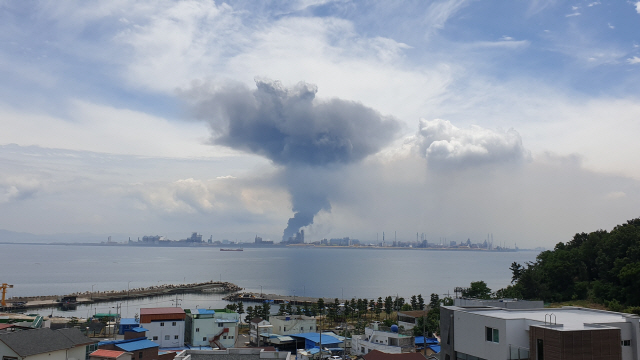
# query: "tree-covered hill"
[600,266]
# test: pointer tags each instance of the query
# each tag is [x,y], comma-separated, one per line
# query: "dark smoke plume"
[293,129]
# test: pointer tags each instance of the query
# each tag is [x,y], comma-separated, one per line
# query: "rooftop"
[112,354]
[161,311]
[571,318]
[31,342]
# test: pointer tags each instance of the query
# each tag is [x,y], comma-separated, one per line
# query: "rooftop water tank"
[394,328]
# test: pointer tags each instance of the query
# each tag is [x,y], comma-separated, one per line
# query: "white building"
[165,325]
[566,333]
[260,330]
[206,327]
[292,324]
[45,344]
[382,339]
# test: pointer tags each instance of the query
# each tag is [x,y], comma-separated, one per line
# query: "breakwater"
[88,297]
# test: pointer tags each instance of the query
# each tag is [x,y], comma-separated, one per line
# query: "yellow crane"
[4,288]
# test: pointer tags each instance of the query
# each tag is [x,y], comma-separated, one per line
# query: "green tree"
[240,308]
[406,307]
[516,271]
[388,305]
[435,301]
[478,290]
[250,314]
[414,302]
[420,302]
[282,310]
[378,307]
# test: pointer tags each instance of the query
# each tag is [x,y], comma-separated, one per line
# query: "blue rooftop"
[435,348]
[138,329]
[203,311]
[430,341]
[128,321]
[315,337]
[137,345]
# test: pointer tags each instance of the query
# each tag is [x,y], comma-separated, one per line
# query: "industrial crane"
[4,288]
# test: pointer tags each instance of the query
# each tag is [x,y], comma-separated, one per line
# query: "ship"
[240,249]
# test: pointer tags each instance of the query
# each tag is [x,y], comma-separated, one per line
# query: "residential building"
[208,327]
[379,355]
[44,343]
[490,333]
[127,324]
[259,330]
[140,347]
[408,319]
[102,354]
[165,325]
[387,340]
[292,324]
[234,354]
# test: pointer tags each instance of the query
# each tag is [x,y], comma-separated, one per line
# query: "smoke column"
[296,131]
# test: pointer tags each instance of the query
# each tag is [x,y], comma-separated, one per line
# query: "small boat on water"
[241,249]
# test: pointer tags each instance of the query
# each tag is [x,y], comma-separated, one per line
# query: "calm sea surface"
[313,272]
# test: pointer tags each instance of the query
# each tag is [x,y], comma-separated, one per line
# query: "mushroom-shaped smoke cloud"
[293,129]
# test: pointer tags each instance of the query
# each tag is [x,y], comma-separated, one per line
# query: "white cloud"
[573,14]
[638,7]
[444,144]
[634,60]
[594,3]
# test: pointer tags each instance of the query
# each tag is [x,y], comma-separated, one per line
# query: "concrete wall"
[156,329]
[470,331]
[293,326]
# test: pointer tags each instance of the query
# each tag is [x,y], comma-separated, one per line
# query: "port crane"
[4,288]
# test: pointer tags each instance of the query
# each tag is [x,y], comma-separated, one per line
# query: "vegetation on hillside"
[602,267]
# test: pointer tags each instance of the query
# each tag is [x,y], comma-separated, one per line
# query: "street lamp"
[260,290]
[128,288]
[92,290]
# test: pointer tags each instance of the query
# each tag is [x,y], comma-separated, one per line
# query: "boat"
[240,249]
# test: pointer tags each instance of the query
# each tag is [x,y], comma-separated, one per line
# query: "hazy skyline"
[453,118]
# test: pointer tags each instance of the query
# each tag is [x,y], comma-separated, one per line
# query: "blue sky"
[518,118]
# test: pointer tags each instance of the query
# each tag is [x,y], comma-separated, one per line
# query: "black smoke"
[292,128]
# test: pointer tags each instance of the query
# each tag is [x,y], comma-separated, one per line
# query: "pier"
[88,297]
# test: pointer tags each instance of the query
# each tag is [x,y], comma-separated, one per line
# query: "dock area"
[88,297]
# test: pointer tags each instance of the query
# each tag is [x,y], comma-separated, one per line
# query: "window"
[155,338]
[493,335]
[224,337]
[140,355]
[173,324]
[285,328]
[161,324]
[167,337]
[175,337]
[204,338]
[220,324]
[626,342]
[197,329]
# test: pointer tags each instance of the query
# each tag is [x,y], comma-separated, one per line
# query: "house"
[379,355]
[62,344]
[207,327]
[102,354]
[409,319]
[488,333]
[502,303]
[127,324]
[387,340]
[234,354]
[314,340]
[141,347]
[165,325]
[259,331]
[292,324]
